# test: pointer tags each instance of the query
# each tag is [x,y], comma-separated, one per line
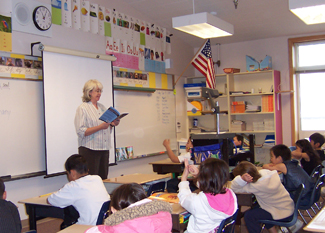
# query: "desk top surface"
[317,224]
[165,161]
[76,228]
[136,178]
[39,200]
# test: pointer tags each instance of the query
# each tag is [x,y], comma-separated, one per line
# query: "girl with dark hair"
[214,202]
[308,157]
[133,212]
[274,200]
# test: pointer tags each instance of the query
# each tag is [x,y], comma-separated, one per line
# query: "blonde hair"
[88,87]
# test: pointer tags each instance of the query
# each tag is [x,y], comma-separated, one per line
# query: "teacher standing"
[94,135]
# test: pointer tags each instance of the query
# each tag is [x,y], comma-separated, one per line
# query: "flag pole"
[190,61]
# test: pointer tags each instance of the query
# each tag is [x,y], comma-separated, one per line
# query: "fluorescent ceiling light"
[203,25]
[309,11]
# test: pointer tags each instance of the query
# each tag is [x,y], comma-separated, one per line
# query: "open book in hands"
[111,114]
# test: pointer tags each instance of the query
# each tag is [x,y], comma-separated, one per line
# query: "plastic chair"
[287,224]
[156,187]
[228,225]
[316,173]
[313,199]
[102,212]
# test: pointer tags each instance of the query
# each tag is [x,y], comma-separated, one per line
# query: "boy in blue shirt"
[9,215]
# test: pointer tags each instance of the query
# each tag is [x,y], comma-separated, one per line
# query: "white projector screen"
[64,78]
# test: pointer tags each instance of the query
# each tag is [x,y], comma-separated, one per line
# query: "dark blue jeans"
[253,216]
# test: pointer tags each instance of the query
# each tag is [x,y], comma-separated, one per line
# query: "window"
[310,87]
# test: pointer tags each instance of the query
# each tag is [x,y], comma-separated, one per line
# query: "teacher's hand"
[116,122]
[104,125]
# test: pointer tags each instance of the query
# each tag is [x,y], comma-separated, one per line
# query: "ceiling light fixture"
[203,25]
[311,11]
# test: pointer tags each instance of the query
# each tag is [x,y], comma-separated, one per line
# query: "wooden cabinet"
[259,89]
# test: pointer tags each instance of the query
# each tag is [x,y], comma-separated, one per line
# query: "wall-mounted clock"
[42,18]
[25,16]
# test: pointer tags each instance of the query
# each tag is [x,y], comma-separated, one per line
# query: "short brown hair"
[127,194]
[213,175]
[247,167]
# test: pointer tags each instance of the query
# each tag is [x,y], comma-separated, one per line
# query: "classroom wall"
[78,40]
[234,56]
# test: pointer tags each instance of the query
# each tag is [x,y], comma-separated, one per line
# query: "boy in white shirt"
[86,193]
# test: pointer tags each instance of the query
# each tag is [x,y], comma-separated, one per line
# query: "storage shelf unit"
[263,84]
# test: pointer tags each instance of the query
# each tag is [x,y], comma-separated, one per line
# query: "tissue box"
[266,64]
[252,64]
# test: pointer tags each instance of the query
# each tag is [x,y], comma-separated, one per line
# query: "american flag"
[203,62]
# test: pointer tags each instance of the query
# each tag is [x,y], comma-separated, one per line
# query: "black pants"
[71,216]
[97,161]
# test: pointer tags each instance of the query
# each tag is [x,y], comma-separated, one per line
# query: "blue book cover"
[111,114]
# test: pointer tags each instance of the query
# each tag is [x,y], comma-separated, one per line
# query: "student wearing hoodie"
[214,202]
[274,200]
[133,212]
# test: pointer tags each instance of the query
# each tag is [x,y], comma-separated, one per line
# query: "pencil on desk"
[44,195]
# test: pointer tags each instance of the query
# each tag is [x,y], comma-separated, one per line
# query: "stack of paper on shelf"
[268,124]
[253,108]
[237,125]
[267,103]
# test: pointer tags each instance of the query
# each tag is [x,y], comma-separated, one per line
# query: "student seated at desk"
[293,174]
[86,193]
[214,202]
[274,200]
[317,140]
[133,212]
[238,141]
[308,157]
[9,215]
[172,184]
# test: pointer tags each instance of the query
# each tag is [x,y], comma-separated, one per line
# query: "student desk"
[139,178]
[317,224]
[76,228]
[167,166]
[37,208]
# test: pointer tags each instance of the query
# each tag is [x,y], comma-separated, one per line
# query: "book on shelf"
[112,114]
[267,103]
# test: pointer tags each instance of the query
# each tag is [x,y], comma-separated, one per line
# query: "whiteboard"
[64,79]
[151,119]
[21,127]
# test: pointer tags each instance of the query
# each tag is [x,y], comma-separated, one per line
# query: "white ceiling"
[252,20]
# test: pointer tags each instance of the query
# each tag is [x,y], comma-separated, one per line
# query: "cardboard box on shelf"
[239,108]
[252,64]
[266,64]
[238,125]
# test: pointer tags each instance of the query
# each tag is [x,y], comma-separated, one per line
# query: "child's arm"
[279,167]
[298,154]
[170,153]
[186,171]
[238,183]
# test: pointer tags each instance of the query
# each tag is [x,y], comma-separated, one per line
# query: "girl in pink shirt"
[214,202]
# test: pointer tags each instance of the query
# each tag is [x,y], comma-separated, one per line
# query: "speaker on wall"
[22,17]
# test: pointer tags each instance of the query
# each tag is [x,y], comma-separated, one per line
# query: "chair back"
[316,173]
[296,200]
[102,212]
[317,189]
[228,224]
[156,187]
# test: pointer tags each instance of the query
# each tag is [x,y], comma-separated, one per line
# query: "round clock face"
[42,18]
